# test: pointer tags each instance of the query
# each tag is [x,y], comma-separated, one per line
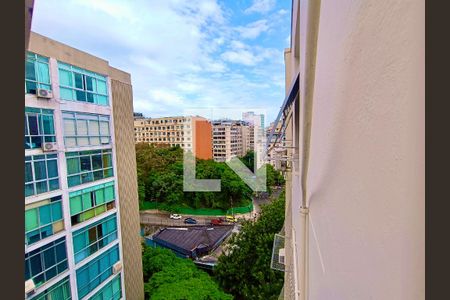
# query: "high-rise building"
[229,139]
[256,121]
[81,205]
[191,133]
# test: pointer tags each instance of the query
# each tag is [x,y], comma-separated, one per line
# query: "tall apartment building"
[229,139]
[81,205]
[256,121]
[191,133]
[355,191]
[276,146]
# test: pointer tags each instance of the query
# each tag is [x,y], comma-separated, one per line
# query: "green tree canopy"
[169,277]
[245,272]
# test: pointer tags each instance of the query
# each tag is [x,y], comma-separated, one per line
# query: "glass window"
[44,263]
[59,291]
[43,220]
[41,174]
[87,166]
[111,291]
[39,127]
[82,85]
[96,271]
[85,129]
[90,202]
[92,238]
[37,73]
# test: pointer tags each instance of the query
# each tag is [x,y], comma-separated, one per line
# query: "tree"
[169,277]
[245,271]
[160,179]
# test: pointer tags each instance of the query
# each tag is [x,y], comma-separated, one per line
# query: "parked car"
[175,216]
[216,221]
[190,221]
[231,219]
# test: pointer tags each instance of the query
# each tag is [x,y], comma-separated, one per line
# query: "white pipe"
[312,30]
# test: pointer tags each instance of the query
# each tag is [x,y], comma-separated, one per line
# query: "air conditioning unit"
[117,267]
[48,147]
[281,256]
[30,288]
[45,94]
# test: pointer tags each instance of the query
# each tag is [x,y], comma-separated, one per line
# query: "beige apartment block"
[85,141]
[355,197]
[276,146]
[191,133]
[230,139]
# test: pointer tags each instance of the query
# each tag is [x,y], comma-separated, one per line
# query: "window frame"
[100,242]
[41,253]
[35,59]
[77,116]
[96,280]
[90,154]
[36,158]
[39,113]
[49,202]
[84,73]
[107,204]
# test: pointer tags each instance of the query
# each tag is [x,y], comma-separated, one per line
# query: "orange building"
[203,139]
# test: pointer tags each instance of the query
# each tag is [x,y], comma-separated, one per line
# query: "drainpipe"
[309,61]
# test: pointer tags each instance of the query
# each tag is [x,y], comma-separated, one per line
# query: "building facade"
[81,206]
[276,146]
[355,190]
[256,122]
[191,133]
[229,139]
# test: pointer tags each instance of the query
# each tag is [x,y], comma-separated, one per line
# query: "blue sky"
[182,54]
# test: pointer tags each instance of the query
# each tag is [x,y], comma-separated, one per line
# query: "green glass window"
[88,166]
[46,262]
[41,174]
[43,220]
[90,202]
[37,73]
[82,85]
[39,127]
[94,237]
[96,271]
[58,291]
[111,291]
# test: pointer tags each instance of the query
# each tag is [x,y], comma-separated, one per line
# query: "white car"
[175,216]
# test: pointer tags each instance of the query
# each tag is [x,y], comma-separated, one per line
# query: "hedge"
[195,211]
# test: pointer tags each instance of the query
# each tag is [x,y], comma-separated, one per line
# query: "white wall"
[366,172]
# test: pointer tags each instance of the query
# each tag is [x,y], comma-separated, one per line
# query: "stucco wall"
[203,139]
[127,186]
[366,172]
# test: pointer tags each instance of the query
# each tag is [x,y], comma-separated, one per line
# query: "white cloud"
[180,53]
[261,6]
[253,30]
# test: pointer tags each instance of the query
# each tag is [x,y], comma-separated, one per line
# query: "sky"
[183,55]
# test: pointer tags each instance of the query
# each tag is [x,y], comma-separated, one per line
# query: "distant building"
[276,146]
[229,139]
[191,133]
[191,242]
[138,115]
[256,121]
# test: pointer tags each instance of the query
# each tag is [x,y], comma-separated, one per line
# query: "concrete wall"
[127,187]
[365,181]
